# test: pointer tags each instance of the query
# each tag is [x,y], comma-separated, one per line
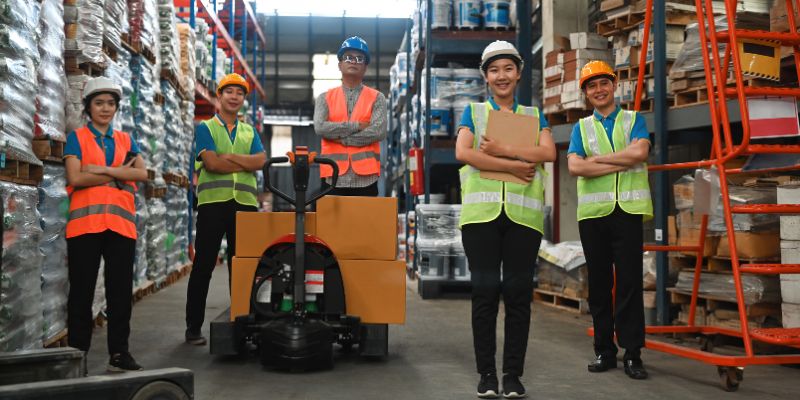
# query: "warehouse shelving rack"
[724,149]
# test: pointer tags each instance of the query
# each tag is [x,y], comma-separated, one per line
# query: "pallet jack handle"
[300,160]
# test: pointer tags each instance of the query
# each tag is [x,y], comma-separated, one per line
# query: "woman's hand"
[523,170]
[494,148]
[95,169]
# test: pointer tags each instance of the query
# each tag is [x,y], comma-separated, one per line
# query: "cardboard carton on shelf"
[587,40]
[750,245]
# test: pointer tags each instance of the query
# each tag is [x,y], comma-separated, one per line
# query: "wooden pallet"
[620,24]
[632,73]
[566,116]
[690,97]
[171,77]
[723,264]
[712,303]
[158,99]
[561,301]
[49,149]
[151,174]
[152,192]
[73,67]
[432,288]
[145,289]
[176,180]
[21,172]
[126,44]
[58,340]
[110,50]
[647,105]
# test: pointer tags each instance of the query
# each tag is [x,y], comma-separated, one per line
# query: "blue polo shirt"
[204,141]
[639,131]
[466,118]
[73,147]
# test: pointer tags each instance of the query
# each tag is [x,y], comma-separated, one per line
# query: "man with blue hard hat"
[351,119]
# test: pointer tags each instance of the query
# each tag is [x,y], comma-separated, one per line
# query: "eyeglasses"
[354,59]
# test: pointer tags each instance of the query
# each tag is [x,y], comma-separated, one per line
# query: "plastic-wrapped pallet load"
[85,27]
[74,111]
[187,57]
[19,55]
[187,110]
[202,51]
[53,209]
[562,268]
[177,226]
[147,116]
[172,130]
[140,260]
[170,45]
[143,19]
[21,269]
[124,118]
[116,23]
[156,236]
[437,234]
[755,288]
[50,119]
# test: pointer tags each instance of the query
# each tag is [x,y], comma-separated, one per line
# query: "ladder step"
[785,38]
[782,336]
[770,269]
[766,209]
[764,91]
[771,149]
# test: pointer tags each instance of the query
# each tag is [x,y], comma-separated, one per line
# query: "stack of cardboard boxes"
[361,232]
[790,254]
[563,71]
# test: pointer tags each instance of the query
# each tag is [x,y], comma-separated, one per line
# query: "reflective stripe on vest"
[483,199]
[239,186]
[103,207]
[365,160]
[597,197]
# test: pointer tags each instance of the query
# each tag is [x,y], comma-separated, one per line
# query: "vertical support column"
[254,67]
[191,13]
[310,48]
[214,49]
[427,138]
[377,53]
[525,46]
[661,202]
[276,98]
[232,31]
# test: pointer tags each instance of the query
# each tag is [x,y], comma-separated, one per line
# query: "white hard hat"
[101,84]
[499,48]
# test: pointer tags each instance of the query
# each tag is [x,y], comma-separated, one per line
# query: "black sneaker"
[122,362]
[488,386]
[512,387]
[196,339]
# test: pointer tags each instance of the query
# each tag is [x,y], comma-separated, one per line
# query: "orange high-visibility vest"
[365,160]
[99,208]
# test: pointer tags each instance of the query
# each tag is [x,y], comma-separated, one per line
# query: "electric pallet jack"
[297,301]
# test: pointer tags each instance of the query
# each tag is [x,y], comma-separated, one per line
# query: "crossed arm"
[594,166]
[94,175]
[493,156]
[230,163]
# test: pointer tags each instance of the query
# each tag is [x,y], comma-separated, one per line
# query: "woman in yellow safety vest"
[501,222]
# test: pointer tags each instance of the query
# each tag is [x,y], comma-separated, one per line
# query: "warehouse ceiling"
[292,41]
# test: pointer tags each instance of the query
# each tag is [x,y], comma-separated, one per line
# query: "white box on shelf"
[587,40]
[790,224]
[791,315]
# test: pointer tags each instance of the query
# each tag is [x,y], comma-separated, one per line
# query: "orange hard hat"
[596,68]
[233,79]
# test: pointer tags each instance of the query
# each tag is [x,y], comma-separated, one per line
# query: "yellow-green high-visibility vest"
[240,186]
[482,200]
[598,196]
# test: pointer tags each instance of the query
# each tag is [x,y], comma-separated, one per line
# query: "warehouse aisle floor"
[430,358]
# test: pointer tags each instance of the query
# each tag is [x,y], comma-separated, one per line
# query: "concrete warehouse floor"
[430,358]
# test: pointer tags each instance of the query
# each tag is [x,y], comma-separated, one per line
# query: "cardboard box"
[649,298]
[779,18]
[588,55]
[255,231]
[587,40]
[691,237]
[790,315]
[553,74]
[683,192]
[552,101]
[552,58]
[790,224]
[612,4]
[375,290]
[752,245]
[573,96]
[358,228]
[687,219]
[552,91]
[672,231]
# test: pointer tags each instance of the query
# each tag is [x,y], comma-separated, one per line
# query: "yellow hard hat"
[596,68]
[233,79]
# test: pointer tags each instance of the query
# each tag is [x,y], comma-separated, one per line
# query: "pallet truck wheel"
[729,378]
[160,390]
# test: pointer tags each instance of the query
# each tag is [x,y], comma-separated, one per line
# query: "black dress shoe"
[602,364]
[635,369]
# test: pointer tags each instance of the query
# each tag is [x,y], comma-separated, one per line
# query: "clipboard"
[511,129]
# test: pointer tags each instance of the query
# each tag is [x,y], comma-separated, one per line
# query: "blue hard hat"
[354,43]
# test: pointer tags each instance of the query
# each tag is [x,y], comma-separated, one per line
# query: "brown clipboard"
[511,129]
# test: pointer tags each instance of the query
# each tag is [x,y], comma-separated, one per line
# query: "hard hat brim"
[221,88]
[589,77]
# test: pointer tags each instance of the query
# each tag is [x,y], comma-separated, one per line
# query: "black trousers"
[213,221]
[614,243]
[369,191]
[488,246]
[83,260]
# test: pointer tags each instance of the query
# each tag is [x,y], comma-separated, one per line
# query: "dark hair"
[489,62]
[87,101]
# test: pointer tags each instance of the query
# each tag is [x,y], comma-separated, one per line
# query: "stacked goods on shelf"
[170,45]
[156,239]
[119,71]
[143,18]
[172,133]
[185,158]
[203,51]
[115,23]
[74,111]
[177,241]
[140,260]
[19,55]
[439,251]
[790,254]
[53,208]
[188,62]
[85,27]
[471,14]
[147,115]
[562,269]
[21,270]
[451,90]
[50,100]
[687,222]
[398,75]
[223,64]
[779,18]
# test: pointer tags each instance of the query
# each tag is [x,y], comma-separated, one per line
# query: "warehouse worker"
[228,154]
[608,152]
[102,167]
[351,119]
[501,222]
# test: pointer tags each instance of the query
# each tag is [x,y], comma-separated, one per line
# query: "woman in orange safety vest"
[102,166]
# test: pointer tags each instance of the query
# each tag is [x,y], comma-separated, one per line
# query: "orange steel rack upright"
[730,367]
